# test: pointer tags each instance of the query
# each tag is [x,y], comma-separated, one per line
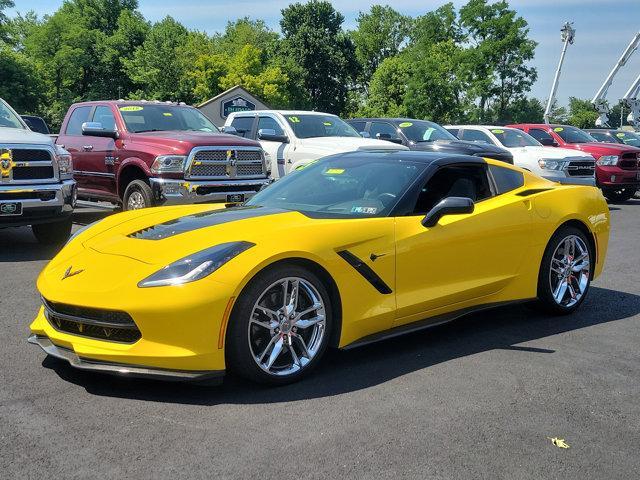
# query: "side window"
[383,130]
[79,116]
[454,131]
[468,181]
[601,137]
[475,136]
[270,123]
[104,115]
[359,126]
[540,135]
[506,179]
[243,125]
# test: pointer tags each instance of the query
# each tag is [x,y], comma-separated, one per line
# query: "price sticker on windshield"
[558,129]
[498,131]
[335,171]
[294,119]
[405,124]
[131,108]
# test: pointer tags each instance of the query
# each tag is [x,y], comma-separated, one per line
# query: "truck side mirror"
[387,137]
[230,130]
[548,142]
[270,135]
[365,134]
[95,129]
[448,206]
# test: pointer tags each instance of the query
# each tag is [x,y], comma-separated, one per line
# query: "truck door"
[275,150]
[71,138]
[100,156]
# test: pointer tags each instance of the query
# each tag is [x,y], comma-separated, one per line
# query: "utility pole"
[567,35]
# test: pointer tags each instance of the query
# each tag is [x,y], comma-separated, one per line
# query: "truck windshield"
[629,138]
[513,138]
[419,131]
[8,118]
[574,135]
[159,117]
[312,126]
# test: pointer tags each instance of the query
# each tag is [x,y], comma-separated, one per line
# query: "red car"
[617,165]
[141,154]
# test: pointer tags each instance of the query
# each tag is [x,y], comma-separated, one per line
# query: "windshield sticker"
[498,131]
[131,108]
[558,129]
[335,171]
[405,124]
[294,119]
[621,135]
[327,124]
[168,114]
[365,210]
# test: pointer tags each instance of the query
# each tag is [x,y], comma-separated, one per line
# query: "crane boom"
[599,100]
[567,35]
[632,100]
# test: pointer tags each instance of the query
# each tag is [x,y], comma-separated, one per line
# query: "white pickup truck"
[36,180]
[556,164]
[292,139]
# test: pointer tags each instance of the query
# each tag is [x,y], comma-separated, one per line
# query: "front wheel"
[280,326]
[137,195]
[55,233]
[619,195]
[565,273]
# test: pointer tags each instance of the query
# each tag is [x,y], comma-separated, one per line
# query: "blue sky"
[604,28]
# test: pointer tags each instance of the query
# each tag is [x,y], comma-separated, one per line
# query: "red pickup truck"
[143,153]
[617,166]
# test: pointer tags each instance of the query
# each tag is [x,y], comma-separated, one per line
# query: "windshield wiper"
[150,130]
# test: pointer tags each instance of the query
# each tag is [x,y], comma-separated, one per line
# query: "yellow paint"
[6,163]
[559,442]
[131,108]
[431,271]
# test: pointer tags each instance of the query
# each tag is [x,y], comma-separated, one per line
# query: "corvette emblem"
[68,273]
[6,162]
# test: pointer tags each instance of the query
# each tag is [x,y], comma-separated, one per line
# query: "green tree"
[314,39]
[388,89]
[581,113]
[4,21]
[20,83]
[380,34]
[245,31]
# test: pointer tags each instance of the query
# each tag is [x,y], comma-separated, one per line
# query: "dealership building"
[236,99]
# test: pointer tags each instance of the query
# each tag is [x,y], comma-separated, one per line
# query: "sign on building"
[237,104]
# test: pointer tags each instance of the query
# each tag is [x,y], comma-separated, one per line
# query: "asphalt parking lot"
[479,398]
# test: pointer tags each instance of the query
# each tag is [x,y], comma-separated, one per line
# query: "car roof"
[410,156]
[133,102]
[249,113]
[388,119]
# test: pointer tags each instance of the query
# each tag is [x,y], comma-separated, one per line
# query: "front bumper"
[40,203]
[122,369]
[179,192]
[589,181]
[614,176]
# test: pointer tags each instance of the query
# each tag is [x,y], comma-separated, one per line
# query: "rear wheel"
[280,326]
[565,273]
[55,233]
[619,195]
[137,195]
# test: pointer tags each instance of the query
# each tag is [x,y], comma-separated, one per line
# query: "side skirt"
[428,323]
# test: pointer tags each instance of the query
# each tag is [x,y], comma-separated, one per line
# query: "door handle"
[87,148]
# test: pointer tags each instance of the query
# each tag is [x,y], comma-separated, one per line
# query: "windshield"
[8,118]
[312,126]
[422,131]
[574,135]
[629,138]
[512,138]
[157,118]
[339,187]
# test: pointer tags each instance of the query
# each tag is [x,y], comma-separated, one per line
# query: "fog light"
[613,178]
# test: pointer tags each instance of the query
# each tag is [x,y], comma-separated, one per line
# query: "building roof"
[227,92]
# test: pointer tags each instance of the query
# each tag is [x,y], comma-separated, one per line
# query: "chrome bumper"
[211,376]
[177,192]
[61,196]
[589,181]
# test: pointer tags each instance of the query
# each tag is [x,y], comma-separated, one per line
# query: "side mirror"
[95,129]
[448,206]
[230,130]
[270,135]
[365,134]
[548,142]
[388,138]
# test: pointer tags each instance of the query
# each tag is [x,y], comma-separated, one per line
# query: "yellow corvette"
[352,249]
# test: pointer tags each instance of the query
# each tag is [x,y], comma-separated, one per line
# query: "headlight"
[63,158]
[196,266]
[168,164]
[607,160]
[551,164]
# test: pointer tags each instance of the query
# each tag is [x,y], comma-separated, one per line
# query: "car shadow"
[345,371]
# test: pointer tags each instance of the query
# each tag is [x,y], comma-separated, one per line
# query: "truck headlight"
[64,161]
[196,266]
[168,164]
[607,160]
[551,164]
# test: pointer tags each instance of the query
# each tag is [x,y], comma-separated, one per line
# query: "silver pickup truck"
[36,180]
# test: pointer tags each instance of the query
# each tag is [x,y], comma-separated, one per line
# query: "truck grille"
[226,162]
[109,325]
[581,168]
[28,164]
[628,161]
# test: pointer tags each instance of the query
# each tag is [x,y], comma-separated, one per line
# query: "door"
[99,155]
[71,138]
[464,257]
[385,131]
[274,150]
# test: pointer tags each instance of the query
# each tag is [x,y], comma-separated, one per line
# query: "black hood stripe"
[201,220]
[366,271]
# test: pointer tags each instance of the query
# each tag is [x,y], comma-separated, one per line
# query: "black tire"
[140,191]
[239,356]
[546,300]
[619,195]
[55,233]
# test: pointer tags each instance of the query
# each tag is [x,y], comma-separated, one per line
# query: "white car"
[556,164]
[292,139]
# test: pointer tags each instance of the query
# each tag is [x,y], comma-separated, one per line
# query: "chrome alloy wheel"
[136,201]
[570,271]
[287,326]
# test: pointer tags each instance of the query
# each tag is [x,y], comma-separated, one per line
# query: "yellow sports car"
[352,249]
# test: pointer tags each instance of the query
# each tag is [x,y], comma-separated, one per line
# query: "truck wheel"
[619,195]
[137,195]
[55,233]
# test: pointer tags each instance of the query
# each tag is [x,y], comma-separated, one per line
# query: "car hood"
[604,148]
[20,135]
[460,146]
[538,152]
[347,144]
[179,141]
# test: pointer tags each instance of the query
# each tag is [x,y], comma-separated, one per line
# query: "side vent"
[532,191]
[366,271]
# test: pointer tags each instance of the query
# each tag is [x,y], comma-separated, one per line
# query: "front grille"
[249,169]
[31,155]
[225,163]
[228,189]
[109,325]
[628,161]
[29,164]
[581,168]
[209,170]
[32,173]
